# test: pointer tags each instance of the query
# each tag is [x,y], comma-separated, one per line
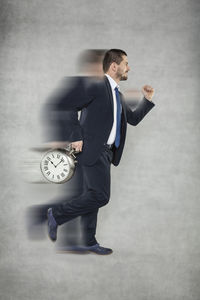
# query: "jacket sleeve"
[134,117]
[64,104]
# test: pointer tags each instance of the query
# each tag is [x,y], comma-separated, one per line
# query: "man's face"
[123,68]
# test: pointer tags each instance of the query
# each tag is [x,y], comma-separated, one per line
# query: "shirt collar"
[113,83]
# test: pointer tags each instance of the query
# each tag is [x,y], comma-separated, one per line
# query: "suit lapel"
[123,105]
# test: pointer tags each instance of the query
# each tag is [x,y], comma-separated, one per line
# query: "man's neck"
[113,77]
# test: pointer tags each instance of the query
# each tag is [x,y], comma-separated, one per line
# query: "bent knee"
[100,198]
[103,199]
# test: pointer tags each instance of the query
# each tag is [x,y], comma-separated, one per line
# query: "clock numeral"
[62,174]
[48,173]
[58,155]
[49,158]
[46,162]
[65,165]
[62,159]
[65,170]
[45,168]
[58,176]
[52,176]
[52,155]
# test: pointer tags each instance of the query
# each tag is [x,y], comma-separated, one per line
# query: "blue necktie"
[117,139]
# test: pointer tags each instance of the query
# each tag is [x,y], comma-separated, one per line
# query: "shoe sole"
[72,251]
[100,253]
[80,252]
[48,228]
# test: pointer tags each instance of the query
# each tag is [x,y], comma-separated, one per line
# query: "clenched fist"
[148,92]
[77,145]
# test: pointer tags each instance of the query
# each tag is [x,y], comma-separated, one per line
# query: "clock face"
[55,166]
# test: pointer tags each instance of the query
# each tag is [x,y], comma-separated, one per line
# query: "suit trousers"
[96,193]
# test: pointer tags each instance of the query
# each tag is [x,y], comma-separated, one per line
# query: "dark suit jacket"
[94,99]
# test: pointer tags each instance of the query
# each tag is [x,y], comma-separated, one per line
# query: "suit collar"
[109,91]
[112,82]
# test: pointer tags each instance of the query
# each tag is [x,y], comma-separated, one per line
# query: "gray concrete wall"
[152,220]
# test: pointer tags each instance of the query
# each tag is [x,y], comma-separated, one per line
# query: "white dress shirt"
[112,135]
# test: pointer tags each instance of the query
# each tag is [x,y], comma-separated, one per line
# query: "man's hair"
[112,55]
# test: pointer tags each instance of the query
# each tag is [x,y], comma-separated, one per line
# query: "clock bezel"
[70,160]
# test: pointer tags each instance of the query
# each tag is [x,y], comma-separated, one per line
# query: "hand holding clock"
[78,145]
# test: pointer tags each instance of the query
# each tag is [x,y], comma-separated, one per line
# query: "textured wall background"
[155,235]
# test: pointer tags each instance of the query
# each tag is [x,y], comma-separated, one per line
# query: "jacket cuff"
[149,102]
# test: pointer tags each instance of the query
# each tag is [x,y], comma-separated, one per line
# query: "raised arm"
[143,107]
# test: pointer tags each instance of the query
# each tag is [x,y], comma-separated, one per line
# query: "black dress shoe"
[52,225]
[97,249]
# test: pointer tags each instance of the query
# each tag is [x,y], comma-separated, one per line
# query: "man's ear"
[113,66]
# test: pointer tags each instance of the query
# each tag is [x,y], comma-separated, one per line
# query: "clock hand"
[52,163]
[59,162]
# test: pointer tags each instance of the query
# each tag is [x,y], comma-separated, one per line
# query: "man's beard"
[124,77]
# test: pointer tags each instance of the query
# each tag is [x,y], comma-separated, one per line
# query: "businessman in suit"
[99,136]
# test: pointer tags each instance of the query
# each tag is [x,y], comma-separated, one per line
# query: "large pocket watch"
[58,165]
